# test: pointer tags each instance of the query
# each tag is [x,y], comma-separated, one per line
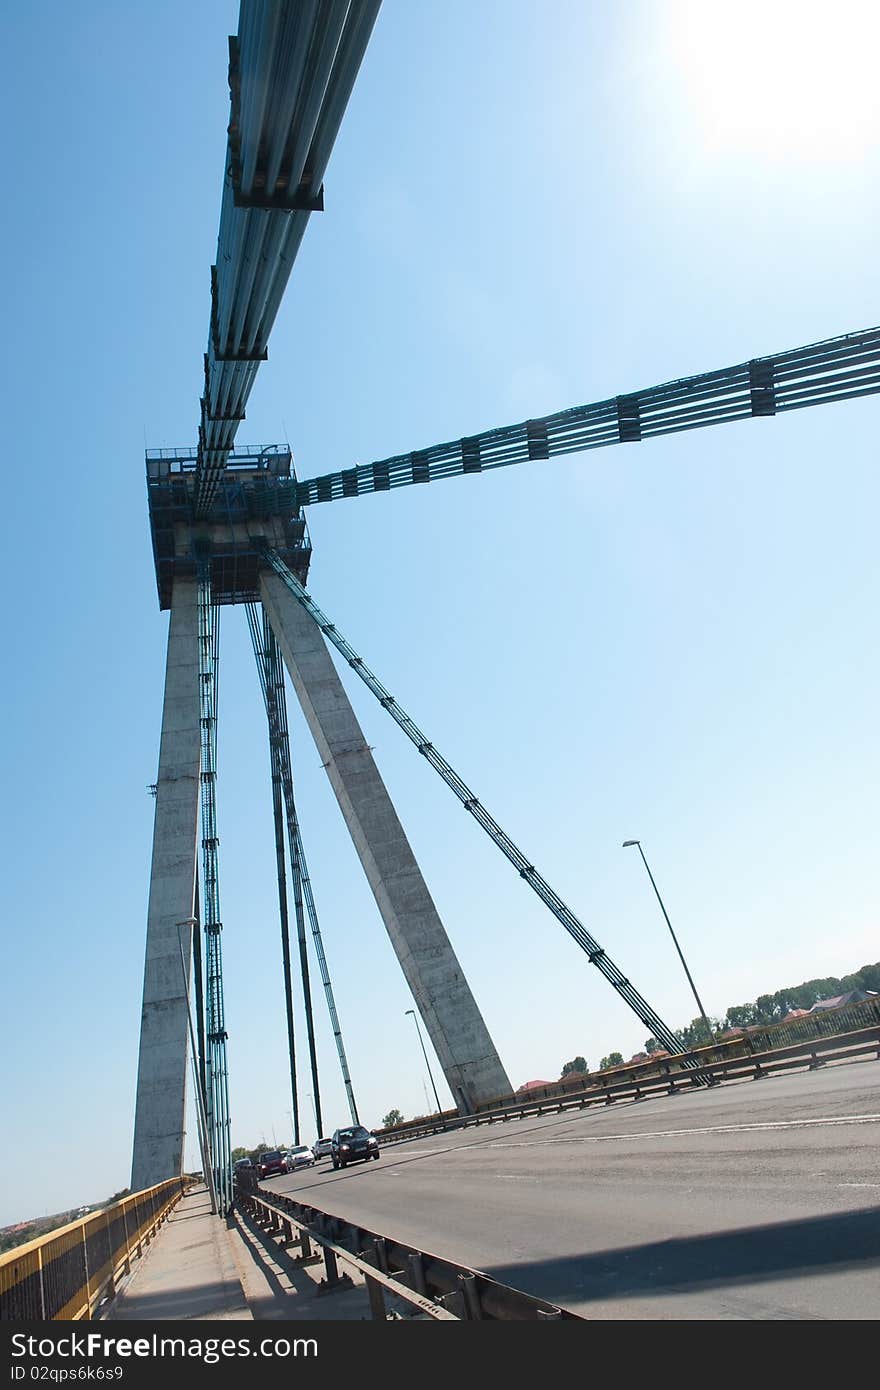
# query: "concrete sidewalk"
[200,1268]
[189,1271]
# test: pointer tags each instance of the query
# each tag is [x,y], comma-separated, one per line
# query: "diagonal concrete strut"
[455,1025]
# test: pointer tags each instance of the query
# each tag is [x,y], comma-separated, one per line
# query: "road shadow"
[848,1241]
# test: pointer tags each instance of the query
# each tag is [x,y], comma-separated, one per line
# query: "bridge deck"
[190,1271]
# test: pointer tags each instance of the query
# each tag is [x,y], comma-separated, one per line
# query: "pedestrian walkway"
[200,1267]
[189,1270]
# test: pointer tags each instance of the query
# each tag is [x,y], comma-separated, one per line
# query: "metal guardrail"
[755,1039]
[823,1024]
[64,1275]
[435,1288]
[829,1024]
[666,1077]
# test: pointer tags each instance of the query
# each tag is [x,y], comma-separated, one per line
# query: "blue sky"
[529,207]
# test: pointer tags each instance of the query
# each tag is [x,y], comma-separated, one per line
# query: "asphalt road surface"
[754,1200]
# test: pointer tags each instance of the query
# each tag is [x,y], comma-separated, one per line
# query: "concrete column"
[161,1087]
[455,1025]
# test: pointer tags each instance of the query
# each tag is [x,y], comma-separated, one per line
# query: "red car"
[270,1162]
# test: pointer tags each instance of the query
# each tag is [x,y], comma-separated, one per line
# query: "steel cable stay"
[272,685]
[291,73]
[278,820]
[275,735]
[325,976]
[217,1072]
[276,678]
[199,992]
[527,871]
[836,369]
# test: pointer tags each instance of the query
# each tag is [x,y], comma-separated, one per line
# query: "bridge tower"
[219,550]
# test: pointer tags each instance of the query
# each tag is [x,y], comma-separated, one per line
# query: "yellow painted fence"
[65,1274]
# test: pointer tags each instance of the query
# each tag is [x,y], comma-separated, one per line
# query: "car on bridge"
[322,1147]
[350,1145]
[244,1172]
[270,1163]
[299,1157]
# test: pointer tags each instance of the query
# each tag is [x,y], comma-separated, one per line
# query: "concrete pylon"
[159,1123]
[455,1025]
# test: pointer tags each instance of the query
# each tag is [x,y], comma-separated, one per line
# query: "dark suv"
[269,1163]
[348,1145]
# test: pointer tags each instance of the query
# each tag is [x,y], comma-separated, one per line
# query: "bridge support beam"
[161,1087]
[455,1025]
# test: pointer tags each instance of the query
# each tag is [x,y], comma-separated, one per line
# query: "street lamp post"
[709,1034]
[425,1055]
[311,1097]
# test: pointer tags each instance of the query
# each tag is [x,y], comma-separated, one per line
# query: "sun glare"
[786,78]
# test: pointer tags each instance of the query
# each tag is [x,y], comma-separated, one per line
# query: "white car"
[299,1157]
[322,1147]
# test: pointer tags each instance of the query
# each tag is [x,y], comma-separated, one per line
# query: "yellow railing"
[64,1275]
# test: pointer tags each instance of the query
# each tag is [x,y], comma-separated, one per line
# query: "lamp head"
[626,844]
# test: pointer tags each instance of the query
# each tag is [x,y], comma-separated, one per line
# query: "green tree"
[772,1008]
[741,1016]
[869,977]
[394,1117]
[614,1059]
[239,1153]
[694,1035]
[765,1009]
[576,1064]
[653,1045]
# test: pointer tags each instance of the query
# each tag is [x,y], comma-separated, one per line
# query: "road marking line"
[675,1133]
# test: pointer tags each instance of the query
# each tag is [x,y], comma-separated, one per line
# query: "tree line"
[766,1009]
